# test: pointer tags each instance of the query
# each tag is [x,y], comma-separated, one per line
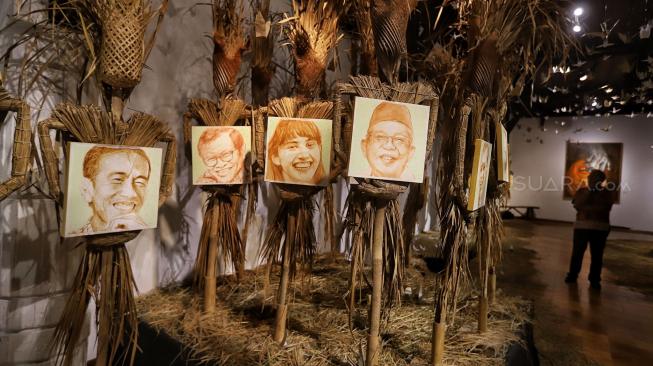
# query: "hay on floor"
[238,333]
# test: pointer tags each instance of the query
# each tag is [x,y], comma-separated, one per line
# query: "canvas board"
[110,188]
[480,172]
[388,140]
[298,151]
[503,155]
[221,154]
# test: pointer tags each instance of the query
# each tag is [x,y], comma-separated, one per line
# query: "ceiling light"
[583,78]
[578,11]
[576,28]
[608,90]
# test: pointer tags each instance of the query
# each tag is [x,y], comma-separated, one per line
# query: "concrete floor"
[610,327]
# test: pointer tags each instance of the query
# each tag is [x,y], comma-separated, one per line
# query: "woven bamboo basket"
[122,48]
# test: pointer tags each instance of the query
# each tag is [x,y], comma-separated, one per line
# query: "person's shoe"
[570,279]
[595,286]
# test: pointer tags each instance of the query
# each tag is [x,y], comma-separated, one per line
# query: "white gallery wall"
[538,164]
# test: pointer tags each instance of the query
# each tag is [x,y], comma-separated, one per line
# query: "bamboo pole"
[282,306]
[482,314]
[373,341]
[117,105]
[437,346]
[210,281]
[492,288]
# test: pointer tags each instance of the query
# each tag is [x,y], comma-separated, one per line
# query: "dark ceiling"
[613,73]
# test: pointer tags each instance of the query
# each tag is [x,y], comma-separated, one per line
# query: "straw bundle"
[219,234]
[229,44]
[373,211]
[294,220]
[21,151]
[105,272]
[390,20]
[263,49]
[312,33]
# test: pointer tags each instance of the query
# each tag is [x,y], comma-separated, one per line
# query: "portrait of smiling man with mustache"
[114,184]
[388,144]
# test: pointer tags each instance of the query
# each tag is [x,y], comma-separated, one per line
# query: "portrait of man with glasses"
[392,140]
[222,152]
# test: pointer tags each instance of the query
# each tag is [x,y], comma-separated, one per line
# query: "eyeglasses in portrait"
[110,188]
[298,151]
[388,140]
[221,154]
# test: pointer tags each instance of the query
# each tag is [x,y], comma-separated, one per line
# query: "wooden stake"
[492,288]
[282,307]
[117,105]
[437,345]
[373,341]
[482,314]
[210,282]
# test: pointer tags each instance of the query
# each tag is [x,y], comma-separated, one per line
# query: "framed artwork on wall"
[583,157]
[110,188]
[388,140]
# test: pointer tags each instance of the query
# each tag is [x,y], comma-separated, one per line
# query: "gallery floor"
[573,325]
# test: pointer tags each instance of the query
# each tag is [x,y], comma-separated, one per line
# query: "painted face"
[118,189]
[388,146]
[224,162]
[299,159]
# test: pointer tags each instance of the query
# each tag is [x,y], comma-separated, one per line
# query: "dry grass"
[318,332]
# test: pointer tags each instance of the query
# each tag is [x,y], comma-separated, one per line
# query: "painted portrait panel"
[110,188]
[503,157]
[221,154]
[582,158]
[388,140]
[480,172]
[298,151]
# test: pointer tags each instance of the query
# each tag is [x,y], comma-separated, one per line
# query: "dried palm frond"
[390,21]
[362,10]
[105,272]
[22,146]
[263,49]
[312,32]
[229,44]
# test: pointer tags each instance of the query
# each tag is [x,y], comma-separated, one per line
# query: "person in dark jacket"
[593,204]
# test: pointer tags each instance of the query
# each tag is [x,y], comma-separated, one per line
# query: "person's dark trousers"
[596,240]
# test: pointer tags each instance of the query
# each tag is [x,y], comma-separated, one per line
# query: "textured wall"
[540,165]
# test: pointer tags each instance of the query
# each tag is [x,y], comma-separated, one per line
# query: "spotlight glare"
[608,90]
[578,11]
[576,28]
[583,78]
